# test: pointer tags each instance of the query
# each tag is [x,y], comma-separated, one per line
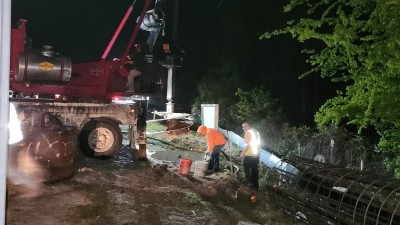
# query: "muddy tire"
[100,138]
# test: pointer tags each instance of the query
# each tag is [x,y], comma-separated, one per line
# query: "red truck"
[94,97]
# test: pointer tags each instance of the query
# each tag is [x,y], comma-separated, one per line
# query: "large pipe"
[116,34]
[134,34]
[5,36]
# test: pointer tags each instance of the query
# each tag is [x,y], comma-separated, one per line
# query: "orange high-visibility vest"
[213,136]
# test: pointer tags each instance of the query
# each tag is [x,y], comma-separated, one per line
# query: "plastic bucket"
[200,168]
[184,166]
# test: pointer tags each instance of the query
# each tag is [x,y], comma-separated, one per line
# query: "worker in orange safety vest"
[215,142]
[251,155]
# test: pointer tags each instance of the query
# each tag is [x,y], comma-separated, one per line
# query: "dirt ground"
[123,190]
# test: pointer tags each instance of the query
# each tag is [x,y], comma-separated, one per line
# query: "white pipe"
[5,34]
[170,104]
[169,84]
[362,165]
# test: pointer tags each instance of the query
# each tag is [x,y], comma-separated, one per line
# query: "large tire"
[100,138]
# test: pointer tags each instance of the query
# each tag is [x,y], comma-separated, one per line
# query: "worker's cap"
[202,130]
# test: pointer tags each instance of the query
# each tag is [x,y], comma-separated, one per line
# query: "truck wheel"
[100,138]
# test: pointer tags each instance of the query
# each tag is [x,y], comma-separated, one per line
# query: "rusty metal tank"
[47,152]
[45,66]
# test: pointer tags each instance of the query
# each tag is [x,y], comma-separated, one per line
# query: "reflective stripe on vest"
[255,143]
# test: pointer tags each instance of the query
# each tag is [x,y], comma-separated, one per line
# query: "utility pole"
[170,61]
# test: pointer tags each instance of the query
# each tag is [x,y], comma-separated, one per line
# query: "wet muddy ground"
[123,190]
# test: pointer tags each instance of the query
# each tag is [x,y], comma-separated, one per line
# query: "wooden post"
[141,124]
[132,140]
[229,148]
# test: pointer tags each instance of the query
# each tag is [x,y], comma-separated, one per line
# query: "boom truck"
[47,90]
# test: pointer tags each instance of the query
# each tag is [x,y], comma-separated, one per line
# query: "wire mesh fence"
[321,193]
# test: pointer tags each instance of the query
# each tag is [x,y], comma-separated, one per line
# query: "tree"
[255,105]
[218,86]
[226,43]
[361,48]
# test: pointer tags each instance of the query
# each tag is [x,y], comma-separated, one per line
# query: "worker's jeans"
[250,166]
[214,158]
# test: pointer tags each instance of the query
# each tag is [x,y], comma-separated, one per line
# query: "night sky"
[78,29]
[209,31]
